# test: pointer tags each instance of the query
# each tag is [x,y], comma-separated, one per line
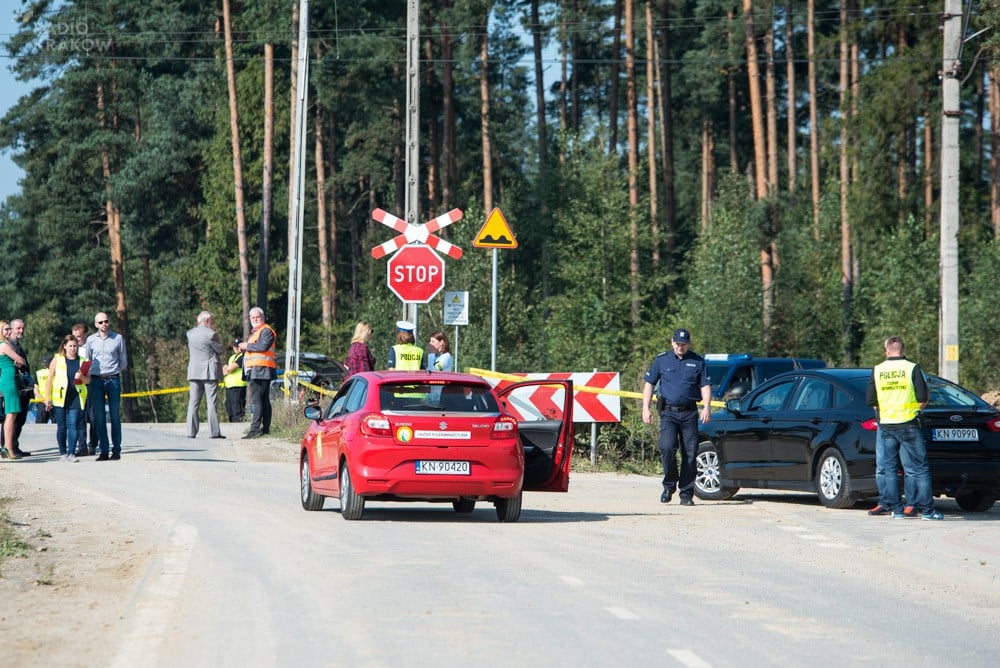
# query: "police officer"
[683,379]
[236,385]
[405,355]
[898,391]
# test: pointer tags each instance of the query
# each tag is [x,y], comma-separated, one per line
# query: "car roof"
[420,376]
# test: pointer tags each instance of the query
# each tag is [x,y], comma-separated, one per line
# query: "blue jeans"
[903,442]
[68,424]
[684,424]
[111,389]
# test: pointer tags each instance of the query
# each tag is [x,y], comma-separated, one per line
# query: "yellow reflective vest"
[897,398]
[235,377]
[61,381]
[408,356]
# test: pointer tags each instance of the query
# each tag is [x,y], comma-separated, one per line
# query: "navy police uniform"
[680,380]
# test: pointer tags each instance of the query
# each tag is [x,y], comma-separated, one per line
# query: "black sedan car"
[811,430]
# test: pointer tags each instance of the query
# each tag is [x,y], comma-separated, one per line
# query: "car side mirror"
[313,412]
[733,406]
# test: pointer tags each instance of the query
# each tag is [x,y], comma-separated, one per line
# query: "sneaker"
[898,516]
[879,510]
[71,459]
[62,458]
[909,511]
[933,515]
[666,496]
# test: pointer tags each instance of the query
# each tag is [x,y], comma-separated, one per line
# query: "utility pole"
[293,323]
[412,129]
[950,117]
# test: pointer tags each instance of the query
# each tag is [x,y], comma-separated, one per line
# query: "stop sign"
[416,274]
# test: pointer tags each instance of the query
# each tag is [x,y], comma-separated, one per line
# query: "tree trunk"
[632,128]
[654,222]
[771,111]
[564,73]
[433,140]
[616,51]
[707,171]
[484,122]
[667,139]
[267,182]
[449,169]
[767,262]
[813,115]
[734,165]
[846,248]
[536,43]
[574,81]
[322,234]
[929,164]
[995,150]
[234,126]
[790,85]
[116,248]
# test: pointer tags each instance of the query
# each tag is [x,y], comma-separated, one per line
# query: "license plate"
[437,467]
[955,434]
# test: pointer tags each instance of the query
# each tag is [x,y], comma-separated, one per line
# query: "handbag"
[24,382]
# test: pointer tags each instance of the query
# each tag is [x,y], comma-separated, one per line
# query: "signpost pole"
[493,348]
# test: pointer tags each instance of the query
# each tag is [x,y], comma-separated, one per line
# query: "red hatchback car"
[441,436]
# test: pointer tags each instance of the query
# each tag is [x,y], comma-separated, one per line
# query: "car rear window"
[947,395]
[430,397]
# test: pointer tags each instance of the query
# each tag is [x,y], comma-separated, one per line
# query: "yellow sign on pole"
[495,233]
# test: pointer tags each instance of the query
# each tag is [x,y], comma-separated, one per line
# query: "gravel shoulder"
[85,555]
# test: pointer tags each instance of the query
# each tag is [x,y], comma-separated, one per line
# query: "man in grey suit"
[204,372]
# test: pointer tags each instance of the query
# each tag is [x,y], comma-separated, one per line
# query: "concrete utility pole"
[412,213]
[293,323]
[950,117]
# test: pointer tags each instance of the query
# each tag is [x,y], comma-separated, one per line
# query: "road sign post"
[415,274]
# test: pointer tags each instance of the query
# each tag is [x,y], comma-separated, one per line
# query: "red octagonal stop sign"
[416,274]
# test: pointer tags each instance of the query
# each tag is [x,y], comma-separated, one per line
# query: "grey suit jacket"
[205,350]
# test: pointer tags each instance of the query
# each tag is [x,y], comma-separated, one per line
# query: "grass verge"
[11,545]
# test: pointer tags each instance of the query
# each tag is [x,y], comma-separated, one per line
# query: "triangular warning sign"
[495,233]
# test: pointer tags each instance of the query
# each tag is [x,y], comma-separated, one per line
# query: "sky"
[10,91]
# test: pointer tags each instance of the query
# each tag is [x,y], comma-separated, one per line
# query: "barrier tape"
[484,373]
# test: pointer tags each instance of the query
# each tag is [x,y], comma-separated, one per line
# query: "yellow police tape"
[578,388]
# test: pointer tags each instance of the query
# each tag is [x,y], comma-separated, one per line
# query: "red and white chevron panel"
[548,401]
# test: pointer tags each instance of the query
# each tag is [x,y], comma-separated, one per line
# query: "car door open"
[544,412]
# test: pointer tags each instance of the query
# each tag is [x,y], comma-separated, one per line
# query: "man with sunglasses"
[109,360]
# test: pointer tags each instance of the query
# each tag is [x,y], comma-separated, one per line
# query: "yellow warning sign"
[495,233]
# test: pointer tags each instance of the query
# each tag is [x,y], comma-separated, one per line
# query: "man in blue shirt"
[109,359]
[683,379]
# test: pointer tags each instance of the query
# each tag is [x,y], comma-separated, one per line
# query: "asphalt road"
[239,575]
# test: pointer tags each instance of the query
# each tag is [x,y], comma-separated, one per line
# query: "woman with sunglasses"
[8,388]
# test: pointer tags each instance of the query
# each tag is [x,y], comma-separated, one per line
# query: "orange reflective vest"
[263,357]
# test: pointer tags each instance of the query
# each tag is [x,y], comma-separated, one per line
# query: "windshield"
[429,397]
[944,394]
[718,372]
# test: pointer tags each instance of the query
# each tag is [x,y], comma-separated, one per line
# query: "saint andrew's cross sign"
[416,272]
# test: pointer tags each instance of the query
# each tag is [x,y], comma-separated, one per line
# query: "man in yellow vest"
[405,355]
[898,391]
[43,415]
[236,386]
[261,370]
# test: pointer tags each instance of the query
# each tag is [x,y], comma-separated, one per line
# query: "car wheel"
[310,499]
[509,510]
[464,505]
[833,482]
[975,502]
[352,506]
[708,478]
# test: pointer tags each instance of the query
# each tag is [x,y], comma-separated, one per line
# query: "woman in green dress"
[11,397]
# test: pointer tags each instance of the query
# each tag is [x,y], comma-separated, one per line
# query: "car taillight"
[993,424]
[870,425]
[505,427]
[375,424]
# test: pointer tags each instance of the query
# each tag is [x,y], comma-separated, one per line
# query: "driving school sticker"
[404,434]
